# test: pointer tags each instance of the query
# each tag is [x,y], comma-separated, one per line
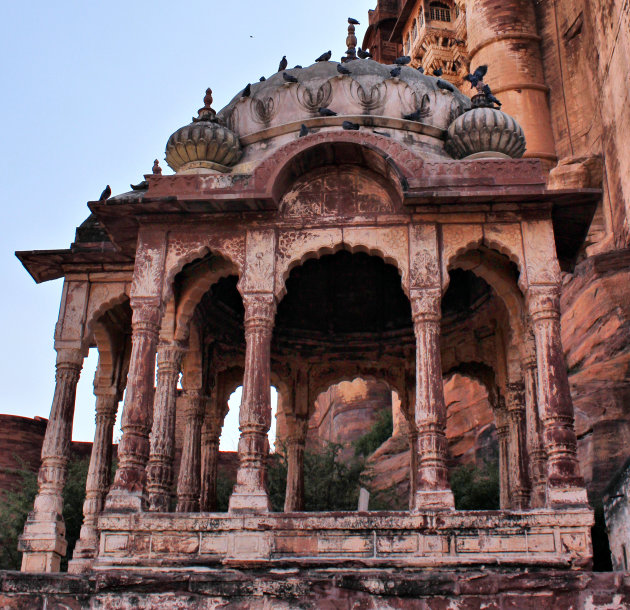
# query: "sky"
[91,92]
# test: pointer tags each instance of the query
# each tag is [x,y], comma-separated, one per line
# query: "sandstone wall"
[586,56]
[596,339]
[21,438]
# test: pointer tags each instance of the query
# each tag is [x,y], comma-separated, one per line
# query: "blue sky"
[91,93]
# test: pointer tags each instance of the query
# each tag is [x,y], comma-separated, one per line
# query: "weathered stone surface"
[371,589]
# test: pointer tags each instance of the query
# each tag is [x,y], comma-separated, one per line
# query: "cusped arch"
[193,291]
[272,175]
[480,372]
[308,251]
[194,254]
[474,240]
[97,308]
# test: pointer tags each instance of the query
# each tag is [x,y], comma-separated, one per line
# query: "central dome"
[369,90]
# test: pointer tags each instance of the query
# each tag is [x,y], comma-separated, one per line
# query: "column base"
[439,499]
[43,542]
[80,566]
[124,501]
[247,501]
[566,496]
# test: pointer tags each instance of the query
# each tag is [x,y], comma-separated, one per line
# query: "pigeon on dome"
[403,61]
[283,64]
[324,57]
[106,194]
[289,78]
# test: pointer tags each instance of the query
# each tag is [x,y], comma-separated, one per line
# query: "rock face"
[348,410]
[596,339]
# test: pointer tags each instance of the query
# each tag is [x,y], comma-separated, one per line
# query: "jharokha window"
[439,12]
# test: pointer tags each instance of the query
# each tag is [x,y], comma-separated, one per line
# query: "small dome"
[204,144]
[485,132]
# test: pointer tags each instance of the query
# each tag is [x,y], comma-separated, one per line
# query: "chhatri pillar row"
[502,34]
[43,542]
[249,492]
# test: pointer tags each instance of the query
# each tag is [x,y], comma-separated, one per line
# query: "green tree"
[476,487]
[378,433]
[16,503]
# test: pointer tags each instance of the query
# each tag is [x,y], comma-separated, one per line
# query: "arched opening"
[344,316]
[483,339]
[473,443]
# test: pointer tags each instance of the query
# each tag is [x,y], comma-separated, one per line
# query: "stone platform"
[558,538]
[323,589]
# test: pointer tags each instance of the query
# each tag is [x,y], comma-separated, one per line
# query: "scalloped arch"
[317,253]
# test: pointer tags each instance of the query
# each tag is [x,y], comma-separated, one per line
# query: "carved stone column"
[189,481]
[432,486]
[210,438]
[127,491]
[295,441]
[160,468]
[250,493]
[43,542]
[520,486]
[98,478]
[564,482]
[537,455]
[503,434]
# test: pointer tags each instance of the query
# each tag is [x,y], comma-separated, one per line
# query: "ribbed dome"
[485,130]
[369,90]
[204,144]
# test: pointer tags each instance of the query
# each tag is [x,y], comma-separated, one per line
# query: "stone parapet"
[559,538]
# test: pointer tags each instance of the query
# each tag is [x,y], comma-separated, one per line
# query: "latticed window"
[439,11]
[415,29]
[421,17]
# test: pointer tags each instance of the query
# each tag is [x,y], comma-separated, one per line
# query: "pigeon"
[438,72]
[363,54]
[395,72]
[283,64]
[298,67]
[106,194]
[247,91]
[342,70]
[488,93]
[262,79]
[459,42]
[402,61]
[324,57]
[353,21]
[142,186]
[442,84]
[304,131]
[350,126]
[476,77]
[415,116]
[381,133]
[326,112]
[421,69]
[288,78]
[472,79]
[480,72]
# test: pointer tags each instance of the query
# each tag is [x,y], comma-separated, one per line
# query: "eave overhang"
[405,11]
[46,265]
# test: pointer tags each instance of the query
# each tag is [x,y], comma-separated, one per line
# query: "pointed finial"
[157,170]
[207,113]
[351,41]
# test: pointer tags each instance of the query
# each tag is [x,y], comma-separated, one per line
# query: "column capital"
[195,403]
[426,304]
[543,301]
[260,310]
